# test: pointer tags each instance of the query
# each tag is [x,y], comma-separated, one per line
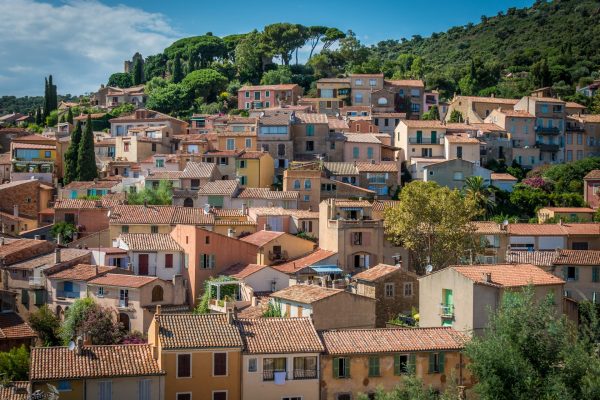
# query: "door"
[448,297]
[143,264]
[419,137]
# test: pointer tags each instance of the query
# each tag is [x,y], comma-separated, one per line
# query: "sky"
[81,42]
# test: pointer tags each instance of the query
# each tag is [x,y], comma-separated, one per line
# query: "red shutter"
[220,364]
[168,260]
[366,236]
[183,365]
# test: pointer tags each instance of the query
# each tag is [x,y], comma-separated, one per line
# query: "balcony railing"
[553,148]
[447,310]
[123,303]
[269,375]
[37,281]
[575,128]
[305,374]
[61,294]
[547,130]
[414,140]
[278,256]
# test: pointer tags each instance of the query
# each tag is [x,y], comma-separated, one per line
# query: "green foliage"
[52,118]
[70,172]
[177,72]
[568,177]
[210,292]
[412,388]
[123,109]
[277,76]
[66,231]
[477,191]
[433,114]
[282,39]
[273,310]
[307,236]
[46,324]
[86,317]
[70,116]
[529,351]
[137,75]
[86,158]
[163,195]
[456,116]
[120,79]
[171,98]
[14,364]
[205,83]
[74,318]
[50,98]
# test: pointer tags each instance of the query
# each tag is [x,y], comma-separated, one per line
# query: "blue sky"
[81,42]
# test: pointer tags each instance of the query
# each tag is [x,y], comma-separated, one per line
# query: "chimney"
[244,209]
[487,276]
[79,345]
[56,256]
[145,203]
[231,315]
[157,310]
[16,210]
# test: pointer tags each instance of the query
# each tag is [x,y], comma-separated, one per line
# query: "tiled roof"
[517,113]
[392,340]
[198,170]
[591,118]
[496,176]
[76,203]
[508,275]
[91,185]
[569,209]
[279,336]
[383,166]
[221,187]
[498,100]
[380,205]
[16,145]
[12,327]
[164,175]
[82,272]
[169,158]
[66,255]
[461,138]
[487,228]
[275,118]
[192,216]
[193,331]
[341,168]
[292,266]
[547,99]
[283,211]
[572,104]
[286,86]
[593,174]
[121,280]
[150,241]
[377,272]
[241,271]
[52,363]
[14,391]
[423,124]
[159,215]
[253,155]
[336,123]
[266,193]
[352,203]
[149,115]
[34,138]
[405,82]
[361,138]
[312,118]
[536,230]
[537,258]
[577,257]
[261,238]
[305,294]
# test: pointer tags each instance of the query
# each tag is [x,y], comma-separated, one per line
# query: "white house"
[152,254]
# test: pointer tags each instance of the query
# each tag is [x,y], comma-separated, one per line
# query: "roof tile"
[279,336]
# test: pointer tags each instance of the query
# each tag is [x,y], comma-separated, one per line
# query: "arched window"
[188,202]
[296,184]
[157,293]
[307,184]
[382,101]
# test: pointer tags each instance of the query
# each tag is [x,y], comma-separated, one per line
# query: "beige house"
[329,308]
[462,296]
[280,358]
[143,118]
[566,214]
[476,109]
[452,173]
[276,247]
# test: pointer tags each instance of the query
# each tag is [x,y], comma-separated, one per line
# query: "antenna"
[71,345]
[428,269]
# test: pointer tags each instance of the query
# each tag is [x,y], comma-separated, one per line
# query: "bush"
[14,364]
[47,325]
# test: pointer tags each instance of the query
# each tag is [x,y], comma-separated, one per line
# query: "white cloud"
[79,42]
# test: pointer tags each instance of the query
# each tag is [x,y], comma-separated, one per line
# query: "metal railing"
[67,295]
[547,130]
[447,310]
[269,374]
[37,281]
[305,373]
[414,140]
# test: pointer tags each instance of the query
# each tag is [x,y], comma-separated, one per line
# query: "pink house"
[591,186]
[362,147]
[268,96]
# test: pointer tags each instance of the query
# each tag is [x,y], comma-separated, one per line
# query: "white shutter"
[367,264]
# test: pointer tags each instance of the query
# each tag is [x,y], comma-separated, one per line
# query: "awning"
[326,269]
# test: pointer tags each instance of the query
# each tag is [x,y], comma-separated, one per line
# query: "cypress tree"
[86,159]
[53,97]
[71,155]
[46,100]
[138,71]
[38,116]
[70,116]
[177,70]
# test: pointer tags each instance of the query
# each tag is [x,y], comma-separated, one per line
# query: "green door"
[448,297]
[433,137]
[419,137]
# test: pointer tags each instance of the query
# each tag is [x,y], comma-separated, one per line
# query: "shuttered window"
[184,365]
[341,367]
[374,366]
[219,364]
[436,363]
[168,260]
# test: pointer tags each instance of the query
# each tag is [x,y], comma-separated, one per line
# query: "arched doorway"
[124,320]
[157,293]
[188,202]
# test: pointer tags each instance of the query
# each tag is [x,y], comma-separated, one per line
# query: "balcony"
[551,131]
[61,294]
[278,256]
[551,148]
[269,375]
[305,374]
[414,140]
[37,282]
[574,128]
[447,310]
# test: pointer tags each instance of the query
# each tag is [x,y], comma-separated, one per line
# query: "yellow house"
[139,148]
[200,354]
[127,371]
[566,214]
[255,169]
[37,156]
[244,139]
[277,247]
[363,360]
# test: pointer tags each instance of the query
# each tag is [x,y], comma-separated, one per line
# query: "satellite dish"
[505,222]
[429,268]
[71,345]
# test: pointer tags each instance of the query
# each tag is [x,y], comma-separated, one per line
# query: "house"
[261,278]
[462,296]
[5,164]
[112,96]
[328,308]
[14,331]
[274,247]
[476,109]
[196,174]
[268,96]
[35,156]
[134,298]
[141,143]
[307,268]
[520,144]
[225,160]
[97,372]
[503,181]
[274,137]
[591,185]
[163,162]
[310,134]
[366,360]
[143,118]
[206,365]
[307,182]
[395,290]
[382,178]
[79,189]
[581,135]
[255,169]
[332,95]
[494,240]
[88,216]
[574,236]
[281,358]
[152,254]
[286,220]
[453,173]
[153,179]
[362,147]
[566,214]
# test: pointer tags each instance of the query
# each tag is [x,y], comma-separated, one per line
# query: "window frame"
[214,359]
[177,376]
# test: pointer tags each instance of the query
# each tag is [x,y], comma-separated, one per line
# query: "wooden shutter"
[441,362]
[220,364]
[595,274]
[347,367]
[412,363]
[183,365]
[397,368]
[431,363]
[565,271]
[336,367]
[168,260]
[576,273]
[366,238]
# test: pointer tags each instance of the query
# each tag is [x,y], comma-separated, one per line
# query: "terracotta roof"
[496,176]
[572,104]
[169,158]
[193,331]
[286,86]
[16,145]
[336,123]
[52,363]
[76,203]
[150,115]
[261,238]
[423,124]
[305,294]
[508,275]
[66,255]
[352,203]
[220,187]
[150,241]
[593,174]
[383,166]
[405,82]
[308,260]
[82,272]
[12,326]
[546,99]
[14,391]
[279,336]
[121,280]
[461,138]
[253,155]
[34,138]
[537,258]
[198,170]
[380,205]
[591,118]
[392,340]
[91,185]
[577,257]
[569,209]
[377,272]
[164,175]
[341,168]
[498,100]
[564,229]
[159,215]
[516,113]
[312,118]
[283,211]
[487,228]
[241,271]
[266,193]
[275,118]
[361,138]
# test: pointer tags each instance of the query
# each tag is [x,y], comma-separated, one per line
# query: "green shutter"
[595,276]
[441,362]
[412,363]
[347,367]
[336,367]
[397,370]
[565,273]
[576,273]
[431,363]
[374,366]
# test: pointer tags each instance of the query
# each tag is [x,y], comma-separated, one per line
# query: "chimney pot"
[56,256]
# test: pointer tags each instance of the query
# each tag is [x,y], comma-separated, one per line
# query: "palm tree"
[476,189]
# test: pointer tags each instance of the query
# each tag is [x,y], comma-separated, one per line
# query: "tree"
[433,223]
[123,109]
[529,351]
[46,324]
[595,107]
[163,195]
[65,230]
[121,80]
[476,190]
[70,116]
[74,319]
[99,326]
[281,39]
[433,114]
[540,74]
[277,76]
[86,158]
[171,98]
[456,116]
[137,75]
[205,83]
[332,35]
[38,116]
[14,364]
[412,388]
[52,118]
[70,173]
[314,34]
[177,72]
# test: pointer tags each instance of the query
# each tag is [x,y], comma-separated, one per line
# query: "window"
[219,364]
[370,153]
[256,95]
[355,152]
[64,386]
[436,363]
[273,130]
[341,367]
[243,164]
[357,238]
[105,390]
[47,154]
[358,82]
[100,292]
[305,367]
[459,151]
[247,95]
[230,144]
[271,366]
[252,365]
[160,163]
[220,395]
[382,101]
[126,146]
[307,226]
[267,93]
[207,261]
[358,98]
[408,289]
[207,240]
[243,180]
[403,363]
[415,107]
[595,274]
[185,396]
[544,108]
[372,82]
[157,293]
[125,229]
[123,298]
[153,229]
[144,386]
[153,146]
[389,290]
[248,143]
[307,184]
[332,146]
[310,130]
[281,149]
[184,365]
[296,184]
[310,145]
[374,366]
[570,273]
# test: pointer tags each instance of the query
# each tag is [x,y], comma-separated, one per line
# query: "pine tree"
[86,159]
[138,71]
[71,156]
[70,116]
[177,70]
